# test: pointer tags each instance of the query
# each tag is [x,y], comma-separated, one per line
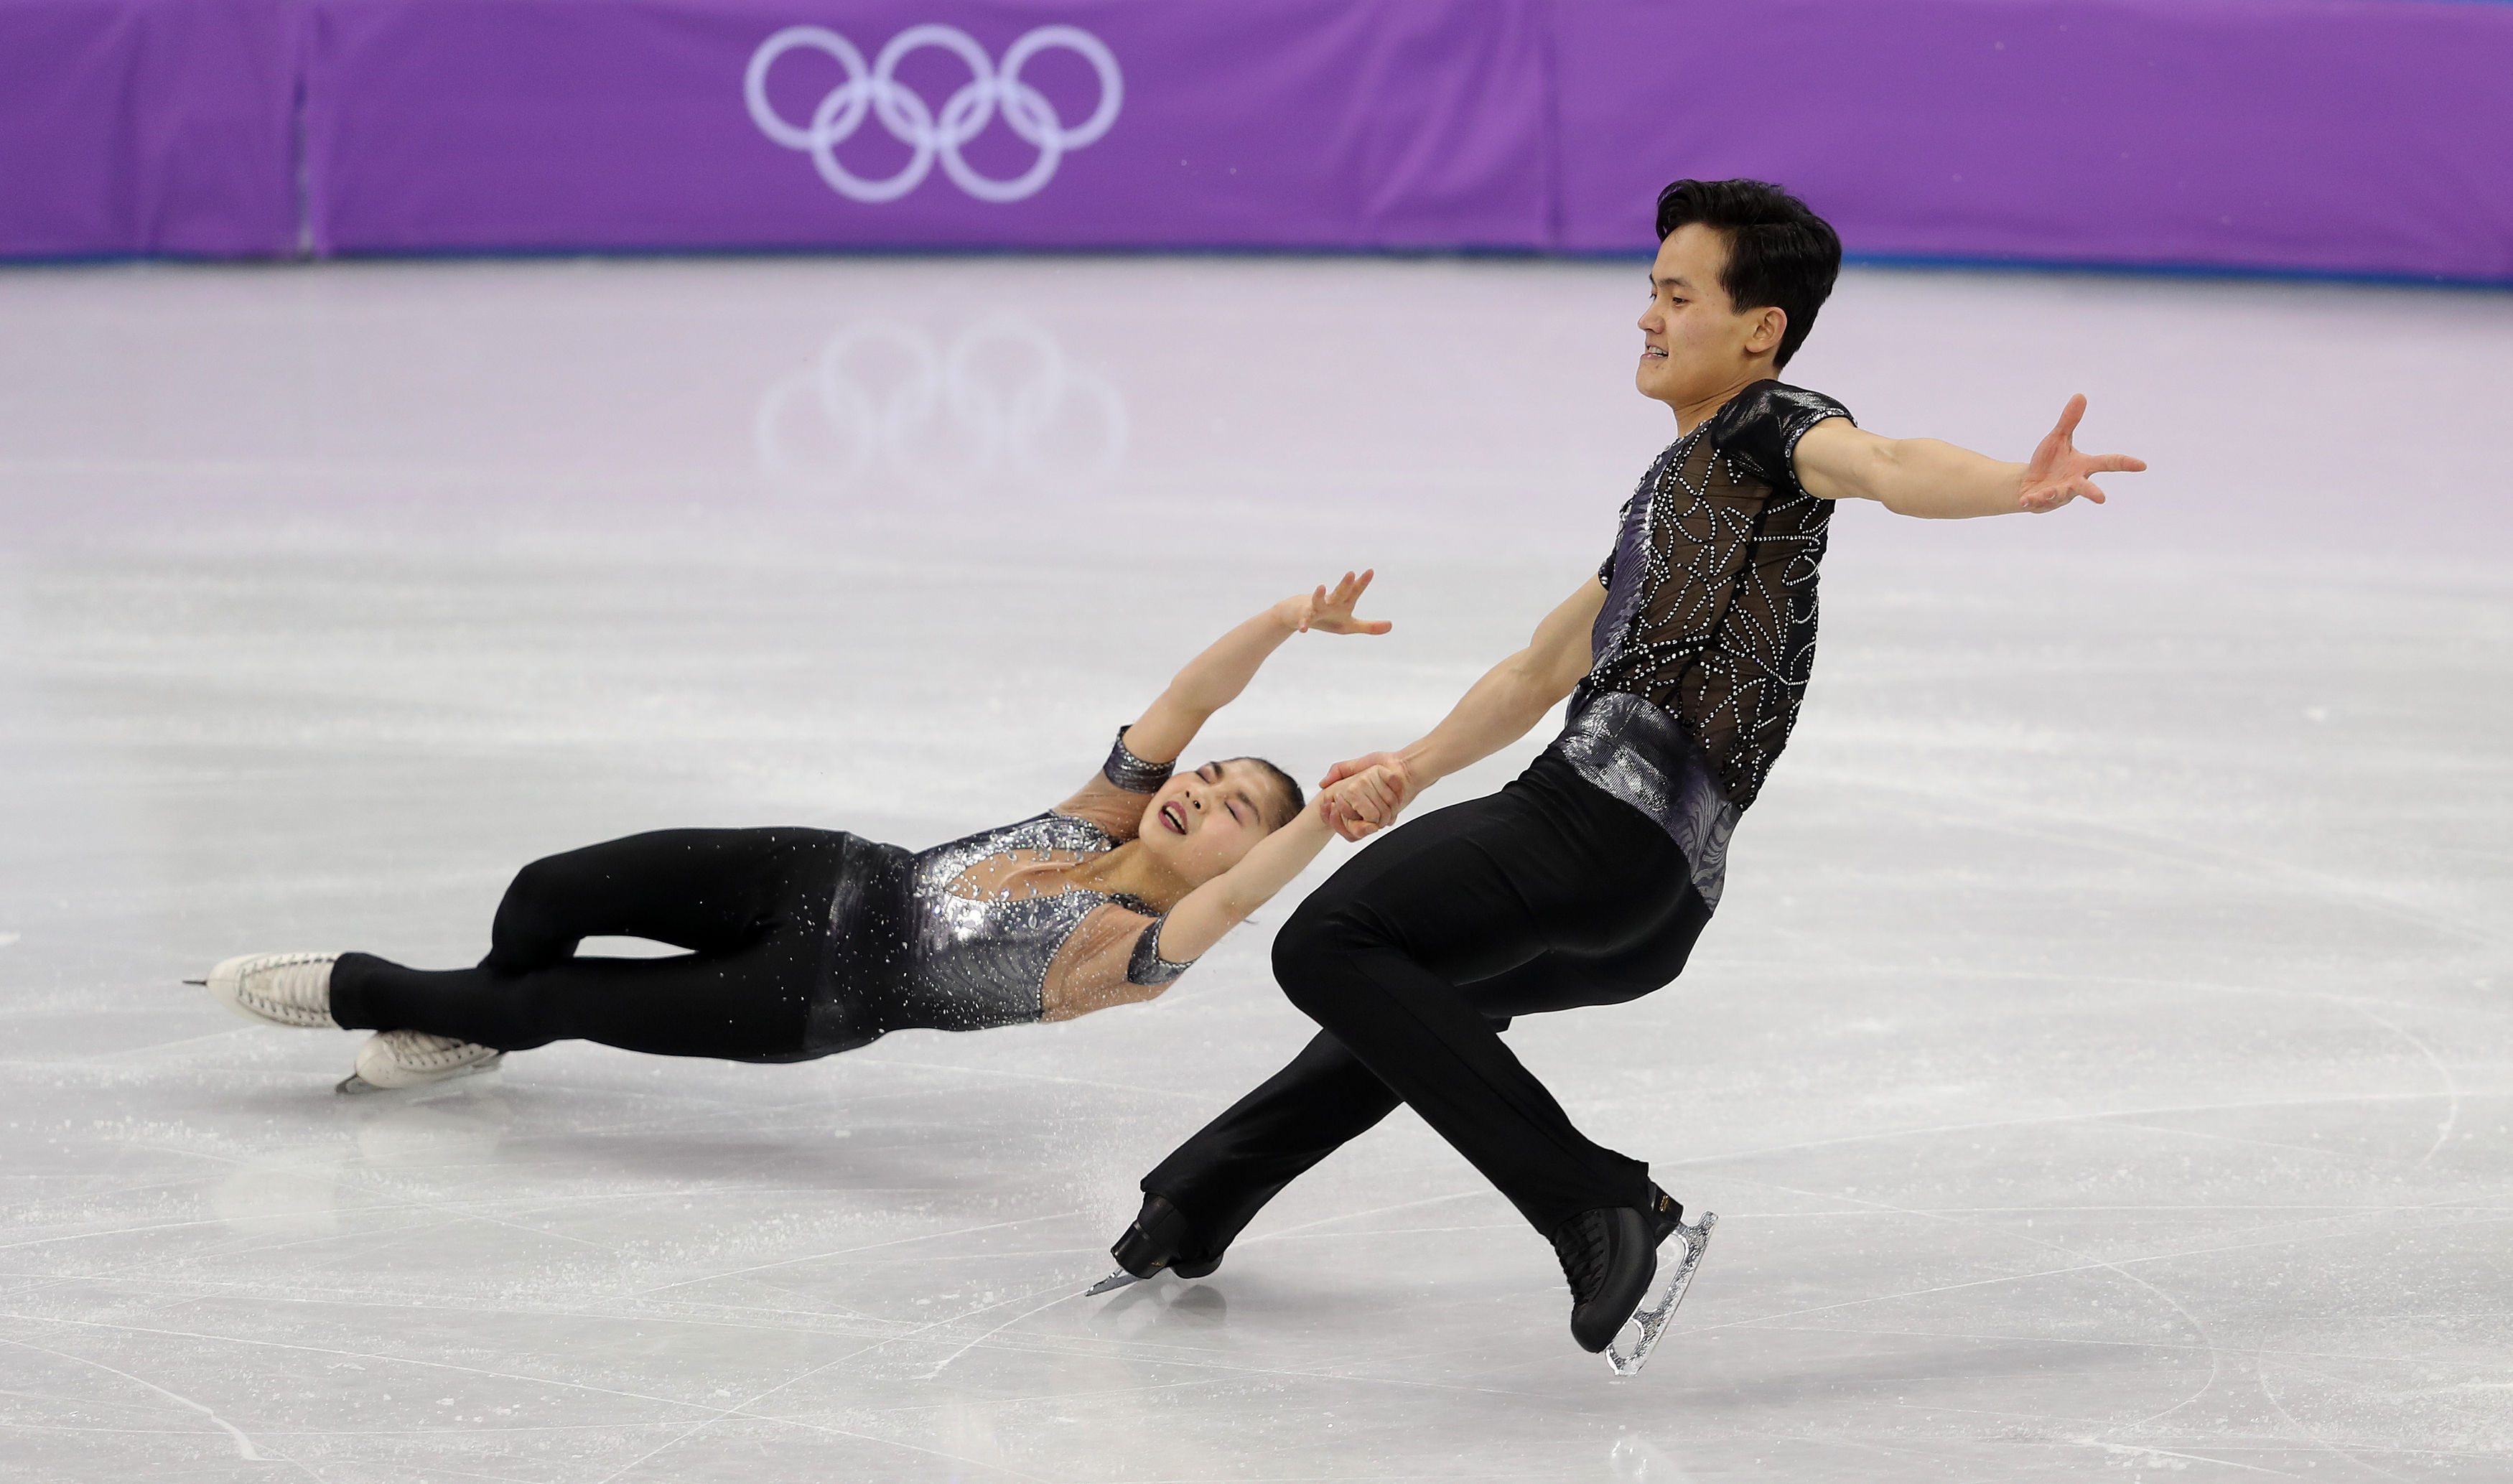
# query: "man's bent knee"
[1313,947]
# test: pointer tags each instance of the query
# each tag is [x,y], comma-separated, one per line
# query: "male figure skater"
[1586,880]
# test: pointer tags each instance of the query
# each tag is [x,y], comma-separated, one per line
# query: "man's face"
[1694,343]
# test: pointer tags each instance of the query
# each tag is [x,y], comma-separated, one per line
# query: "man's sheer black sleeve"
[1759,429]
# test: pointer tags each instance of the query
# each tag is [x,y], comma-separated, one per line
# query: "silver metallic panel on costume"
[1643,756]
[909,951]
[977,961]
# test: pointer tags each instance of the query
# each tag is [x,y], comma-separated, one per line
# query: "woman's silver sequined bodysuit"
[909,947]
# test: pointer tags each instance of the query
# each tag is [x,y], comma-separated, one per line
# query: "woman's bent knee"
[537,887]
[530,926]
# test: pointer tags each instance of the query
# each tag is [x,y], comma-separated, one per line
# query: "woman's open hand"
[1331,613]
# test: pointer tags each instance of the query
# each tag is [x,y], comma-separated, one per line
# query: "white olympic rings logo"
[875,90]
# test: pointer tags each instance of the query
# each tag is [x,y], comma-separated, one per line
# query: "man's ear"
[1770,323]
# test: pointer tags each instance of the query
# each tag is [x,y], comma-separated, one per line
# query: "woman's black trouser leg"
[1545,896]
[750,903]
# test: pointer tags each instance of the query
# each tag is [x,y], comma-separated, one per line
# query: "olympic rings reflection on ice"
[932,133]
[886,400]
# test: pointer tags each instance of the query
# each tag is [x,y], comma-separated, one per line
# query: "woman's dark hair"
[1778,251]
[1291,791]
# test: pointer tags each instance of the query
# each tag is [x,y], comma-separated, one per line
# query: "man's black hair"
[1291,791]
[1778,251]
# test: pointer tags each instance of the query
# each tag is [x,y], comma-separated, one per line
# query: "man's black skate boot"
[1161,1237]
[1610,1254]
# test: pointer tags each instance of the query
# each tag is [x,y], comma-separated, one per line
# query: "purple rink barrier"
[148,127]
[638,124]
[2322,135]
[2371,137]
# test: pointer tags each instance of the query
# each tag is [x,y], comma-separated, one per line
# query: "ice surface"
[2101,1065]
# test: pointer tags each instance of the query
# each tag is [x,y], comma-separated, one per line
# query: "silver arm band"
[1145,966]
[1130,773]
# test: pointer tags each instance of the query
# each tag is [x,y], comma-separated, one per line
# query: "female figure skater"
[806,942]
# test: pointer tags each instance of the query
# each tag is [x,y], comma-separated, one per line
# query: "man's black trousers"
[1413,958]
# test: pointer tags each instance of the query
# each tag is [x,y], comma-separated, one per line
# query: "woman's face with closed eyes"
[1202,823]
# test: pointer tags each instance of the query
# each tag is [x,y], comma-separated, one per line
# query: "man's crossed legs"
[1413,958]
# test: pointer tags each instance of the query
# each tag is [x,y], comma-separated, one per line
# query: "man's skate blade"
[1650,1320]
[1110,1284]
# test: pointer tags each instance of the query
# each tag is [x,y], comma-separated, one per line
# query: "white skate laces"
[398,1059]
[292,990]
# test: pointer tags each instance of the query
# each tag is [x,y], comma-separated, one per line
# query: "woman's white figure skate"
[1640,1332]
[395,1060]
[292,990]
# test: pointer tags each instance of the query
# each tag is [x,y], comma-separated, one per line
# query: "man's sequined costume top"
[1706,640]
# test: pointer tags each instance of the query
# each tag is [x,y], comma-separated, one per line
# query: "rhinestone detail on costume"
[978,961]
[920,941]
[1708,623]
[1130,773]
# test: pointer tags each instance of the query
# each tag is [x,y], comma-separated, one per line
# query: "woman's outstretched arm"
[1214,678]
[1224,903]
[1511,697]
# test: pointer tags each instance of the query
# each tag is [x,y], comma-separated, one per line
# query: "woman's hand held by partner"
[1331,613]
[1361,797]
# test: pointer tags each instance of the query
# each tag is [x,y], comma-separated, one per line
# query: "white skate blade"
[1641,1333]
[1110,1284]
[355,1086]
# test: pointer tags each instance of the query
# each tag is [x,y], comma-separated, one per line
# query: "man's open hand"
[2058,473]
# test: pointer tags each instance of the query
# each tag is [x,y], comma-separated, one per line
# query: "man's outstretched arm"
[1938,481]
[1511,697]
